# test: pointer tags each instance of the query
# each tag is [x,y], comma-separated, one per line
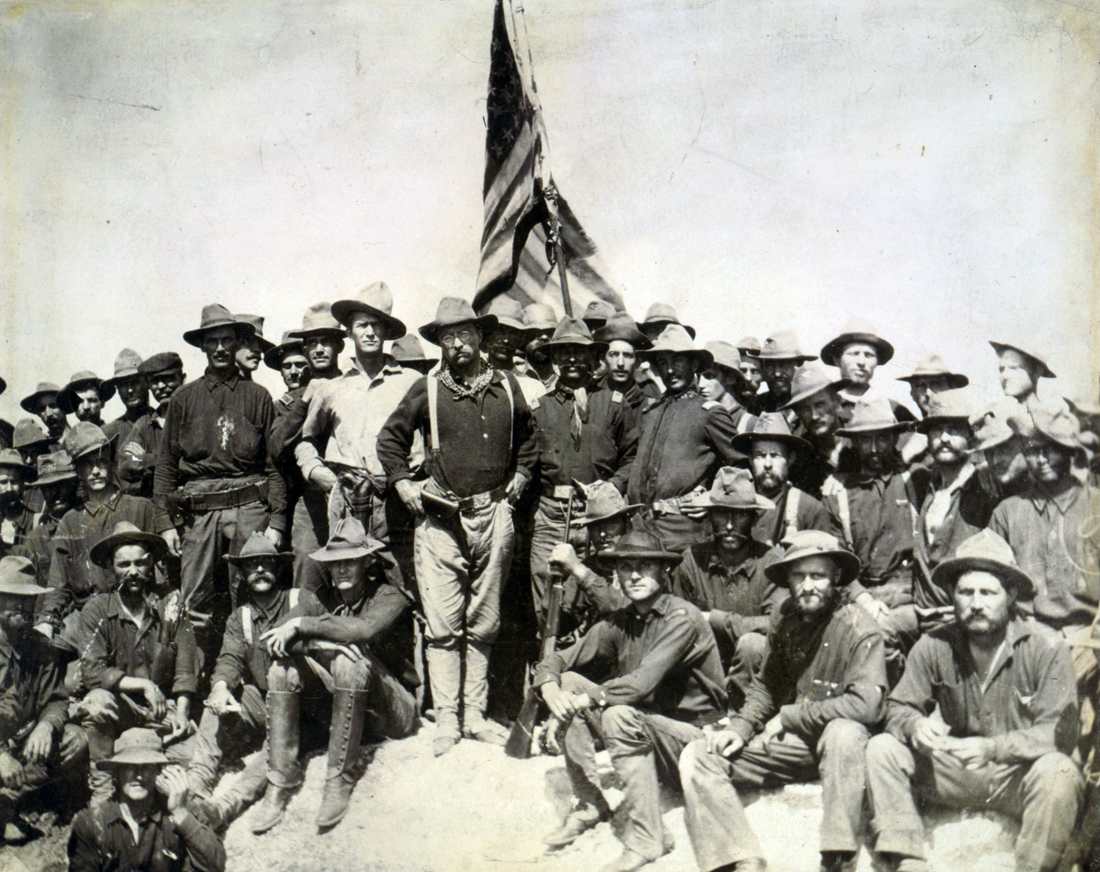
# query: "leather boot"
[284,772]
[345,736]
[445,674]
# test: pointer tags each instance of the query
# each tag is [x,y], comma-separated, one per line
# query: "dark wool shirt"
[482,441]
[607,444]
[771,524]
[116,648]
[32,689]
[664,662]
[73,576]
[815,672]
[218,429]
[1029,707]
[101,841]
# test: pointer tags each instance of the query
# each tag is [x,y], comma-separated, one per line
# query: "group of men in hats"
[769,573]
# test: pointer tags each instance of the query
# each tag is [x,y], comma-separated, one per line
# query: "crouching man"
[138,829]
[36,745]
[665,683]
[1007,720]
[808,715]
[139,655]
[358,648]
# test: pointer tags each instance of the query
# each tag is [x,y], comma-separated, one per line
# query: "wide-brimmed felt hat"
[675,339]
[872,416]
[991,427]
[810,379]
[54,467]
[509,313]
[856,330]
[28,403]
[163,361]
[28,432]
[84,437]
[409,352]
[603,502]
[596,314]
[725,355]
[215,315]
[985,551]
[125,533]
[814,543]
[137,746]
[256,322]
[1060,427]
[273,357]
[375,299]
[640,545]
[348,541]
[773,427]
[947,407]
[12,459]
[748,345]
[66,399]
[258,545]
[782,345]
[318,320]
[540,316]
[663,314]
[733,489]
[621,328]
[453,311]
[934,366]
[1027,350]
[17,577]
[127,365]
[573,331]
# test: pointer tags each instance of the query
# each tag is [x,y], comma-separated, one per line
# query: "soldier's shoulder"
[856,618]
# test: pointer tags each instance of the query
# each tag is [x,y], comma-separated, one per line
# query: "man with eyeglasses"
[215,482]
[482,455]
[337,453]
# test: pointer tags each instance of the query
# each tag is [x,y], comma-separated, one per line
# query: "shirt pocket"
[950,697]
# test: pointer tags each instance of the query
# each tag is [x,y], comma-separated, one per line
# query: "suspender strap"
[433,412]
[246,614]
[790,512]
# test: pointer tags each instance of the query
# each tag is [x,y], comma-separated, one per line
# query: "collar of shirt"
[115,609]
[212,379]
[563,394]
[272,611]
[962,478]
[660,608]
[1063,500]
[94,509]
[714,558]
[390,366]
[1016,632]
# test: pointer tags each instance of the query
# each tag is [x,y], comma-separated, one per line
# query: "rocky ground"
[475,810]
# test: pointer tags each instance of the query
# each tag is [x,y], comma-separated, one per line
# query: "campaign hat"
[946,407]
[453,311]
[985,551]
[28,432]
[872,416]
[125,533]
[409,352]
[934,366]
[258,545]
[856,330]
[782,345]
[540,316]
[773,427]
[273,357]
[725,355]
[621,328]
[28,403]
[216,315]
[596,314]
[748,345]
[137,746]
[662,314]
[12,459]
[257,324]
[349,541]
[509,313]
[991,427]
[163,361]
[641,545]
[127,365]
[603,502]
[810,379]
[375,299]
[54,467]
[1026,349]
[84,378]
[675,339]
[318,320]
[1060,427]
[573,331]
[84,437]
[17,577]
[813,543]
[733,489]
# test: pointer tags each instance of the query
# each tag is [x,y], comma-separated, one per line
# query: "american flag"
[514,258]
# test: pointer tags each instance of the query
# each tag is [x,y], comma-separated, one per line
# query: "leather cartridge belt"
[480,501]
[227,499]
[672,505]
[560,492]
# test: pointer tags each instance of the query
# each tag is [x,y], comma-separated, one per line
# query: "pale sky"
[760,164]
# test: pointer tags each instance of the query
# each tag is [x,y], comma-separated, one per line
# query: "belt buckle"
[480,501]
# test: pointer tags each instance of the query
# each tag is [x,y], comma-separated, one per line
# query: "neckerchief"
[579,418]
[479,384]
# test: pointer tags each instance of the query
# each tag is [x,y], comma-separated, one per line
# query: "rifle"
[522,732]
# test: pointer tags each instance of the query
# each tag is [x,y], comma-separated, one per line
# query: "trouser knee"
[886,754]
[1055,777]
[623,727]
[751,648]
[698,765]
[844,742]
[350,673]
[283,676]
